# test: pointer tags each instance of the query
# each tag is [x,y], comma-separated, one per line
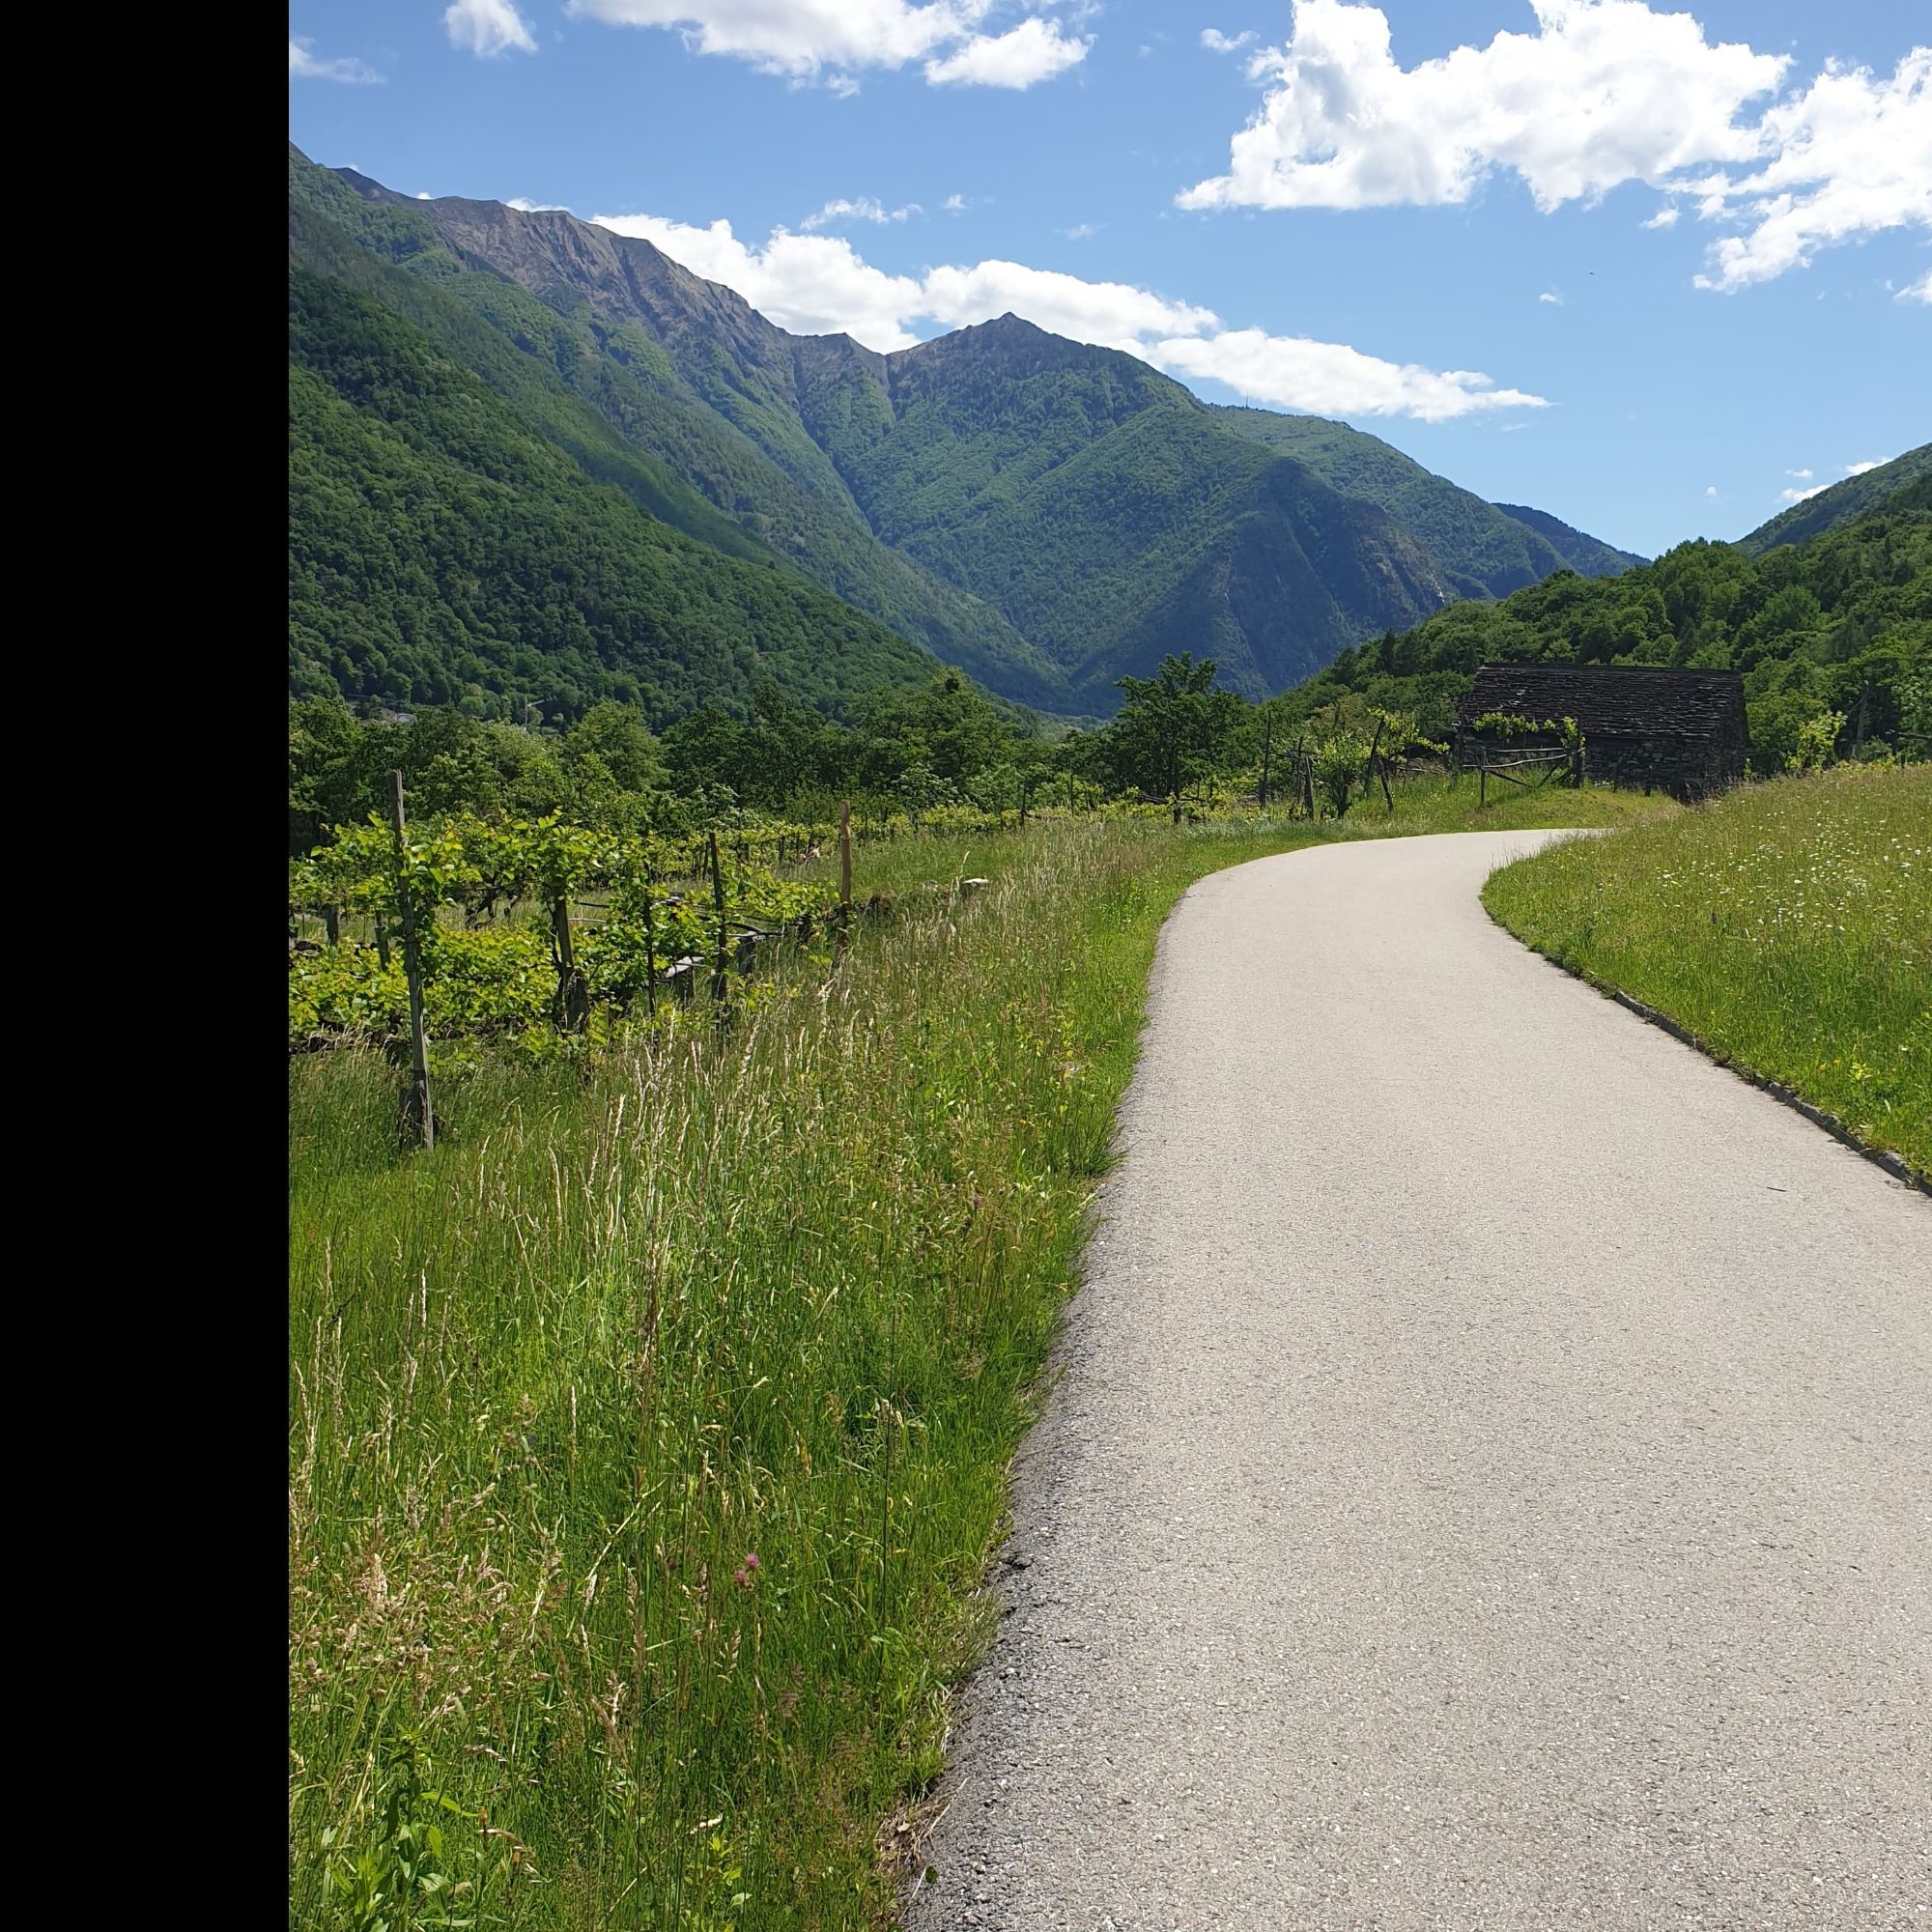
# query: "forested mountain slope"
[565,366]
[442,551]
[1841,503]
[1487,549]
[1838,625]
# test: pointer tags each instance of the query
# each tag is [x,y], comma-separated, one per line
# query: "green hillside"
[1839,505]
[1585,554]
[595,381]
[1487,550]
[443,550]
[1837,627]
[1114,520]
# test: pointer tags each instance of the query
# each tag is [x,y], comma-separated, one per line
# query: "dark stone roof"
[1612,700]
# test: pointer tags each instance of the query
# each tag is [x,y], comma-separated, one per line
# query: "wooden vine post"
[417,1106]
[844,876]
[1375,768]
[718,901]
[650,949]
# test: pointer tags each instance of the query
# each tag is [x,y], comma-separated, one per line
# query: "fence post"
[650,948]
[1483,779]
[419,1107]
[718,900]
[573,1003]
[331,924]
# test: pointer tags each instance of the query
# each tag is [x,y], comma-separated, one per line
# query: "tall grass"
[1789,926]
[648,1438]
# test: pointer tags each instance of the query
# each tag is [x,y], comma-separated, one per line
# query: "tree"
[616,734]
[1174,725]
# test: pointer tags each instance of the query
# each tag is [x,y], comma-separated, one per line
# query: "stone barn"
[1677,731]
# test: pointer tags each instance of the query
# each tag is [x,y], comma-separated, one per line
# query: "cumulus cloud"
[814,40]
[1644,97]
[487,28]
[1551,297]
[820,284]
[1218,43]
[814,284]
[1083,231]
[304,64]
[1859,469]
[1034,50]
[1802,475]
[1800,495]
[524,205]
[1710,491]
[954,204]
[1850,155]
[1919,291]
[864,208]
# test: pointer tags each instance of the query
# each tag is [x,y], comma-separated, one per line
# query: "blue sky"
[1652,272]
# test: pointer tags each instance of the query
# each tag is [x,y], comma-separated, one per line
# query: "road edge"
[1895,1164]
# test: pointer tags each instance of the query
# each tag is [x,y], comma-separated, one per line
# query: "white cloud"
[1802,475]
[1850,155]
[524,205]
[1800,495]
[486,28]
[818,284]
[1665,217]
[1710,491]
[1083,231]
[1218,43]
[1331,379]
[1034,50]
[1551,297]
[864,208]
[304,65]
[806,40]
[1919,291]
[1859,469]
[1643,96]
[814,284]
[954,204]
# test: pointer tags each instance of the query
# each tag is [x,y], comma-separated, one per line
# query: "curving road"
[1490,1479]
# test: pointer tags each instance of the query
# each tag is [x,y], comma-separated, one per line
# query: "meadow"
[648,1437]
[1788,926]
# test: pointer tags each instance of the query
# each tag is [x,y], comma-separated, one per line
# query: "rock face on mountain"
[1043,514]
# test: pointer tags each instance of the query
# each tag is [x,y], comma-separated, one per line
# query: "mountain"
[1042,514]
[1841,503]
[1487,550]
[611,395]
[445,550]
[1113,518]
[1585,554]
[1839,622]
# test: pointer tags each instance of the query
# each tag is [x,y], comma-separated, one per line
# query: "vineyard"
[541,932]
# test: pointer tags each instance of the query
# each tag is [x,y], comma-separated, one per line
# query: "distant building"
[1677,731]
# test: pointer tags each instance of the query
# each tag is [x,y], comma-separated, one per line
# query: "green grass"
[1789,926]
[783,1294]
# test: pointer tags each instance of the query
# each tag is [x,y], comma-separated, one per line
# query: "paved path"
[1490,1484]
